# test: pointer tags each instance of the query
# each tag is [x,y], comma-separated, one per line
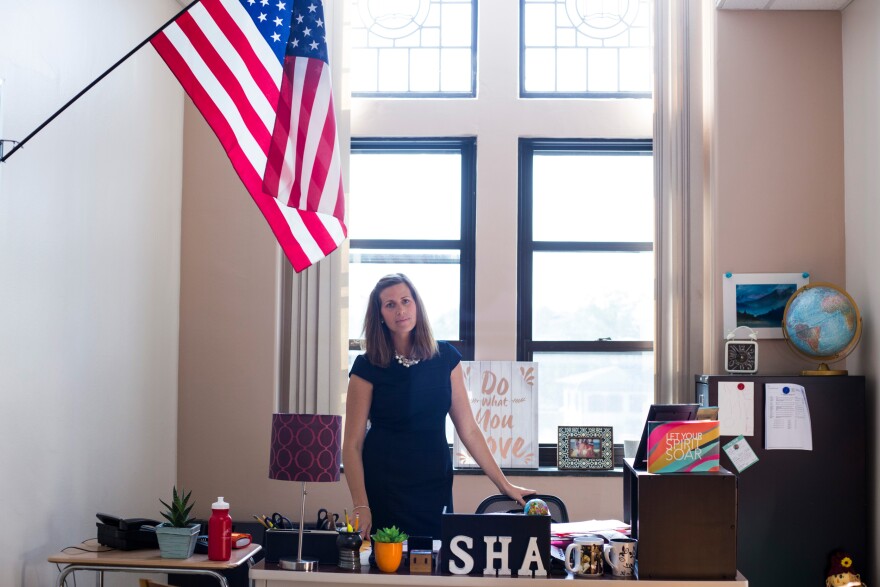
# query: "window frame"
[526,247]
[465,244]
[453,95]
[523,93]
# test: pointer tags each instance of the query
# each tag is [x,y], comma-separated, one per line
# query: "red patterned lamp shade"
[305,447]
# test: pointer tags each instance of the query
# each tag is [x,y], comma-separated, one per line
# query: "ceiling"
[782,4]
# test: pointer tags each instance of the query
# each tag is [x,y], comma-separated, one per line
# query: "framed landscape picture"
[757,300]
[585,447]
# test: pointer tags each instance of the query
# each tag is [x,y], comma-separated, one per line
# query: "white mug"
[621,556]
[588,556]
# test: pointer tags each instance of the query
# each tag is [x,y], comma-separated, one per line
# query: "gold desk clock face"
[742,356]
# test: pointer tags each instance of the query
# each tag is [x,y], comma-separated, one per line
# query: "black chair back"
[501,503]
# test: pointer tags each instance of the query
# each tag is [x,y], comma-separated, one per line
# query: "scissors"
[280,522]
[324,522]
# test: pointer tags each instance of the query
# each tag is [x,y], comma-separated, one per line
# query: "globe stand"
[824,370]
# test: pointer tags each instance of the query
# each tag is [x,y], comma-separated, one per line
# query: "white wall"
[89,276]
[861,94]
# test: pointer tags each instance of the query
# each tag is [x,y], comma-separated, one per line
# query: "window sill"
[547,472]
[541,472]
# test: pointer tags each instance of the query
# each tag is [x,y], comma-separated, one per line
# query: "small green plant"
[391,534]
[177,513]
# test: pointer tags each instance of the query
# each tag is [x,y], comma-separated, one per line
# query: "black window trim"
[526,248]
[467,147]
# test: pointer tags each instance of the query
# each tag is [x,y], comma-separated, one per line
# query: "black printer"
[127,534]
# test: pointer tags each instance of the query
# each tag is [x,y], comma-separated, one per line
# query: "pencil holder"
[349,545]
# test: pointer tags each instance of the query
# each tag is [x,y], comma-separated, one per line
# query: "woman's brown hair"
[377,338]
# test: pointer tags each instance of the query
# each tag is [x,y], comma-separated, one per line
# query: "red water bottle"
[219,532]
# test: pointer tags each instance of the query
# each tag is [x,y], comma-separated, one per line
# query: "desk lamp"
[305,447]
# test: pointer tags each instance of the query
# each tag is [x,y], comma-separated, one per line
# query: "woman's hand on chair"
[518,494]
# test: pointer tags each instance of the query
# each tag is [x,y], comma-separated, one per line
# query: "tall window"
[412,211]
[588,240]
[586,281]
[414,48]
[585,48]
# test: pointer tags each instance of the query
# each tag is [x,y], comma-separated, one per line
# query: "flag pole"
[21,143]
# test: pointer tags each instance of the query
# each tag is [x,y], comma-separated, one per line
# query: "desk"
[271,575]
[146,561]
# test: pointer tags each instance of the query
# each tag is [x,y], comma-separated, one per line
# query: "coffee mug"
[587,552]
[620,555]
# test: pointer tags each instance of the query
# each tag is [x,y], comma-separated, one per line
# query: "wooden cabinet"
[796,506]
[685,523]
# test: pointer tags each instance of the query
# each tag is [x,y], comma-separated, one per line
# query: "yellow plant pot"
[388,555]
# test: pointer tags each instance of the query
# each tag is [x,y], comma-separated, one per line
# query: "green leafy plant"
[177,513]
[391,534]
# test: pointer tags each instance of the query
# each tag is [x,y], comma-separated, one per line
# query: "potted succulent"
[388,548]
[177,537]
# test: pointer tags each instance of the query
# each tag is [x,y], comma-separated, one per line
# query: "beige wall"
[772,73]
[778,153]
[89,276]
[227,366]
[91,259]
[229,307]
[229,289]
[861,93]
[228,310]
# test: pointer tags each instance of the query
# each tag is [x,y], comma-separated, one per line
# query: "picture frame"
[585,447]
[757,300]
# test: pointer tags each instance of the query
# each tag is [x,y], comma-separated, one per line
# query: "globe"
[536,507]
[822,323]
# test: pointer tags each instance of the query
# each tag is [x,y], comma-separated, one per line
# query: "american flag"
[257,70]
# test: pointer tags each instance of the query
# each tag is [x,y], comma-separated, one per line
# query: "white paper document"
[787,418]
[736,408]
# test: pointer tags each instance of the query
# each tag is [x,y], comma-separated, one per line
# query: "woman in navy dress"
[399,472]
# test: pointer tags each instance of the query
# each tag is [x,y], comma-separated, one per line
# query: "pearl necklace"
[405,361]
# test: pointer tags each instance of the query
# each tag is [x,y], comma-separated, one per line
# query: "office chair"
[502,503]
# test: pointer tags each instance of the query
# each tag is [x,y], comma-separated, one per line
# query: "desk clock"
[741,355]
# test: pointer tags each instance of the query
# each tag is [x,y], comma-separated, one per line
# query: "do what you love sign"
[504,399]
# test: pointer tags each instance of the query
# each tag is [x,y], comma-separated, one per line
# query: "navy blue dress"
[407,465]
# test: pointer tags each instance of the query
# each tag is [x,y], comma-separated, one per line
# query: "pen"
[261,521]
[357,521]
